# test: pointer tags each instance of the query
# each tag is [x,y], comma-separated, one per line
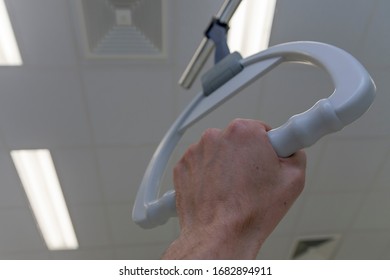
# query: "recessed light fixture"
[250,27]
[39,178]
[9,50]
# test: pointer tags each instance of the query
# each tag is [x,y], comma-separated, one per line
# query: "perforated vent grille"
[124,28]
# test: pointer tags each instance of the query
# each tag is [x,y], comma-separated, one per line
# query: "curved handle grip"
[353,95]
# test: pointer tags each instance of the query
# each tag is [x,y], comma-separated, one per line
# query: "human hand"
[231,191]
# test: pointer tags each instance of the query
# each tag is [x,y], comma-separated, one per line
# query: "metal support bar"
[206,46]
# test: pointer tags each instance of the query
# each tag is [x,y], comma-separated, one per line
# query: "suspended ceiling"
[102,120]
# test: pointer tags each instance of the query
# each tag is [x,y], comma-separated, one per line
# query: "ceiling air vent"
[315,248]
[124,28]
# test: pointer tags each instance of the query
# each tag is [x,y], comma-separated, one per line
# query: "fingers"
[248,123]
[242,131]
[209,139]
[239,132]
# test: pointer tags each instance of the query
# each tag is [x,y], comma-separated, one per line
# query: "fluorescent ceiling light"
[9,50]
[250,27]
[38,175]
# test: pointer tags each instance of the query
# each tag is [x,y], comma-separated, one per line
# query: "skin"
[231,192]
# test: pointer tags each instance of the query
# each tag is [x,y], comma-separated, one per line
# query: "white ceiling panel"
[374,213]
[129,107]
[91,225]
[366,245]
[334,22]
[328,213]
[382,178]
[42,109]
[386,255]
[11,190]
[18,232]
[78,173]
[313,159]
[122,170]
[349,165]
[377,42]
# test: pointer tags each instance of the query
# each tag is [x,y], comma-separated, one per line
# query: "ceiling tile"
[44,32]
[313,159]
[333,22]
[122,170]
[329,213]
[365,245]
[374,212]
[382,178]
[126,232]
[386,255]
[78,174]
[91,225]
[18,232]
[338,170]
[11,190]
[42,109]
[376,46]
[129,107]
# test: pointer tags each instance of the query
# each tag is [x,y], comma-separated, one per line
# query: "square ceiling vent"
[124,28]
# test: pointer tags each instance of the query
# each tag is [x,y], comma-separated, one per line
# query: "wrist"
[213,244]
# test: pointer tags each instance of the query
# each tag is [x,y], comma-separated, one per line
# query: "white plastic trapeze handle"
[354,92]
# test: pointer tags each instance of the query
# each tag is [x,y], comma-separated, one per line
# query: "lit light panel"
[9,50]
[40,182]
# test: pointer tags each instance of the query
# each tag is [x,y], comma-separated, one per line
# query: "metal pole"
[206,46]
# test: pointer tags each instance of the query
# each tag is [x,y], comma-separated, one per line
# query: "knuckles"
[238,131]
[237,126]
[190,154]
[243,128]
[210,135]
